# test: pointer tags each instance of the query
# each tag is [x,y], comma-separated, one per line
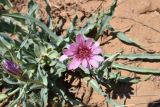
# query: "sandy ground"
[142,17]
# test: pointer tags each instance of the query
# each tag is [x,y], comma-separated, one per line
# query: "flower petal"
[84,63]
[89,42]
[94,63]
[80,39]
[63,57]
[98,58]
[11,67]
[74,64]
[68,52]
[73,47]
[97,51]
[71,50]
[95,45]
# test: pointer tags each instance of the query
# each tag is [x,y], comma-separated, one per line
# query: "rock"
[142,6]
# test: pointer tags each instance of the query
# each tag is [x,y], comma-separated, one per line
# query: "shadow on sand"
[154,104]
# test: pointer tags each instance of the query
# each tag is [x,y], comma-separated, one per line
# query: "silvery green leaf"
[53,54]
[33,7]
[53,63]
[113,57]
[105,20]
[3,97]
[60,71]
[52,35]
[5,41]
[107,63]
[128,80]
[17,26]
[71,29]
[37,50]
[94,84]
[9,81]
[85,70]
[24,100]
[7,4]
[86,29]
[112,102]
[34,99]
[121,36]
[141,56]
[65,98]
[21,93]
[136,69]
[29,59]
[44,97]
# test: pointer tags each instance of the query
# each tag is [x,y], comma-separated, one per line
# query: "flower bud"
[11,67]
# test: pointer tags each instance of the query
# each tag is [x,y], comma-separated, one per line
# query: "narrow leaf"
[125,39]
[7,3]
[90,26]
[87,28]
[105,20]
[40,24]
[72,25]
[6,42]
[32,8]
[93,83]
[44,97]
[128,80]
[107,63]
[137,56]
[136,69]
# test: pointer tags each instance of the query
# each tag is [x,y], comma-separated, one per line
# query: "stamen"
[84,52]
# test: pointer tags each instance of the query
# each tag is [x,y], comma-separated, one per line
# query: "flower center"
[84,52]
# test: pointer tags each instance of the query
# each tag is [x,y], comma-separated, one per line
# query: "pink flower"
[83,52]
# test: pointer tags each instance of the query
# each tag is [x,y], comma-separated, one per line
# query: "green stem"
[13,92]
[36,82]
[20,95]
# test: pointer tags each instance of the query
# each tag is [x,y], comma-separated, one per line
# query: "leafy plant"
[36,52]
